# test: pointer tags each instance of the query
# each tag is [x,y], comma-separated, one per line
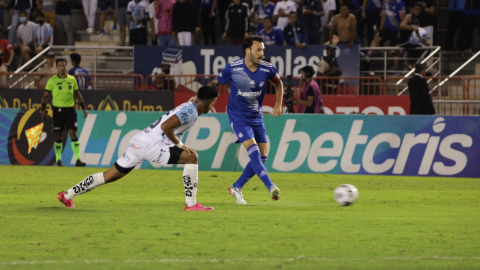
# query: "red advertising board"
[340,104]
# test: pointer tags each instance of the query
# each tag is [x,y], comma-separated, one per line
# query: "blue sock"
[247,174]
[257,165]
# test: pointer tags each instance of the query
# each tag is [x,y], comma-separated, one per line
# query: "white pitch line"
[238,259]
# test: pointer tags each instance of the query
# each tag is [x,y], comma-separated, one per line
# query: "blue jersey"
[247,88]
[275,37]
[392,12]
[264,11]
[82,81]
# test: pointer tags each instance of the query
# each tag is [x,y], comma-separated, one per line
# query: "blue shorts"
[104,4]
[247,130]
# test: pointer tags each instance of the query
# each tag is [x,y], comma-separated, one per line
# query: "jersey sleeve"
[186,115]
[75,84]
[273,76]
[49,86]
[226,75]
[49,31]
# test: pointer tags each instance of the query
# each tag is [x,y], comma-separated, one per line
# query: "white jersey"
[187,114]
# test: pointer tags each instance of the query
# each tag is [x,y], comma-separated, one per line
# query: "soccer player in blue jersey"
[159,143]
[248,78]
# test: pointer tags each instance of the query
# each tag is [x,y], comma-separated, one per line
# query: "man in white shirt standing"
[329,7]
[25,33]
[282,9]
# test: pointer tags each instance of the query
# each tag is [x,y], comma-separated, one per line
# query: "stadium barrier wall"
[94,100]
[335,144]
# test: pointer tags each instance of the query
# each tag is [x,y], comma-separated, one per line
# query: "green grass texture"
[138,222]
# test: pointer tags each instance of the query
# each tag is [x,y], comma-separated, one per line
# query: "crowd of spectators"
[35,24]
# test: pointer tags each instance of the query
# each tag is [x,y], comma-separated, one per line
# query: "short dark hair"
[309,71]
[22,12]
[292,12]
[248,42]
[268,18]
[417,4]
[344,4]
[419,68]
[60,60]
[207,92]
[40,14]
[75,57]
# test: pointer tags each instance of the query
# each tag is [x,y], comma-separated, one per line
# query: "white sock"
[85,185]
[190,180]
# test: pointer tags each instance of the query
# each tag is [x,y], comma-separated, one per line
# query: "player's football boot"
[61,198]
[79,163]
[237,194]
[198,207]
[60,163]
[275,193]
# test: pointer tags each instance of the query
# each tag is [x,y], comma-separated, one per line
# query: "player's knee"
[193,158]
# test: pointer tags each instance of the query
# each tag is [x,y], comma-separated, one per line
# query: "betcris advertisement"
[193,60]
[334,144]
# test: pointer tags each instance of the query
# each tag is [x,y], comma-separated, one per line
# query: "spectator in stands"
[328,67]
[420,99]
[163,12]
[296,32]
[121,10]
[185,22]
[3,6]
[472,20]
[312,12]
[18,6]
[63,16]
[345,24]
[272,35]
[310,100]
[456,15]
[222,12]
[104,5]
[42,38]
[427,18]
[164,80]
[48,9]
[393,14]
[371,10]
[265,9]
[355,8]
[25,33]
[282,9]
[153,23]
[409,26]
[236,29]
[25,30]
[137,15]
[329,8]
[7,52]
[207,17]
[84,82]
[90,9]
[49,68]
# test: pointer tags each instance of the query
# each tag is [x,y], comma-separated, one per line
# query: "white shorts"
[142,149]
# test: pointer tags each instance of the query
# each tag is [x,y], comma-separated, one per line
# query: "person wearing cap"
[310,100]
[164,80]
[48,68]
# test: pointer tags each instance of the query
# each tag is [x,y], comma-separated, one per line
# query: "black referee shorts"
[64,118]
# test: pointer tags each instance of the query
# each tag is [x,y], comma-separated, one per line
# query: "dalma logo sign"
[30,140]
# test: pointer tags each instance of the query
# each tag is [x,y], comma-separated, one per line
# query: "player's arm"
[277,109]
[46,93]
[214,83]
[168,127]
[81,102]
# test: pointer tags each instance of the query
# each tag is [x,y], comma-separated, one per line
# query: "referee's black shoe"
[79,163]
[60,163]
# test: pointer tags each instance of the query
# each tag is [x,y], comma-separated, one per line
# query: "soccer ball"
[345,194]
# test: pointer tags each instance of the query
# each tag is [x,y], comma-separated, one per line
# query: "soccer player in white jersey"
[160,143]
[248,78]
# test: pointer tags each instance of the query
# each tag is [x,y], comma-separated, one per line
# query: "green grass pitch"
[138,222]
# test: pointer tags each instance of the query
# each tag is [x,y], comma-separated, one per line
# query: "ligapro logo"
[342,152]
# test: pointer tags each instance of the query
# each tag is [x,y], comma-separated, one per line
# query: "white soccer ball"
[345,194]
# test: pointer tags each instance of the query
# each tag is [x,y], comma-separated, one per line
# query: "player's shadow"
[62,209]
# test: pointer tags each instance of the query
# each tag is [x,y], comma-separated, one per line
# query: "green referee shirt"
[62,90]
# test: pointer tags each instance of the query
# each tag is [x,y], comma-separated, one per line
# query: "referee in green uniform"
[64,90]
